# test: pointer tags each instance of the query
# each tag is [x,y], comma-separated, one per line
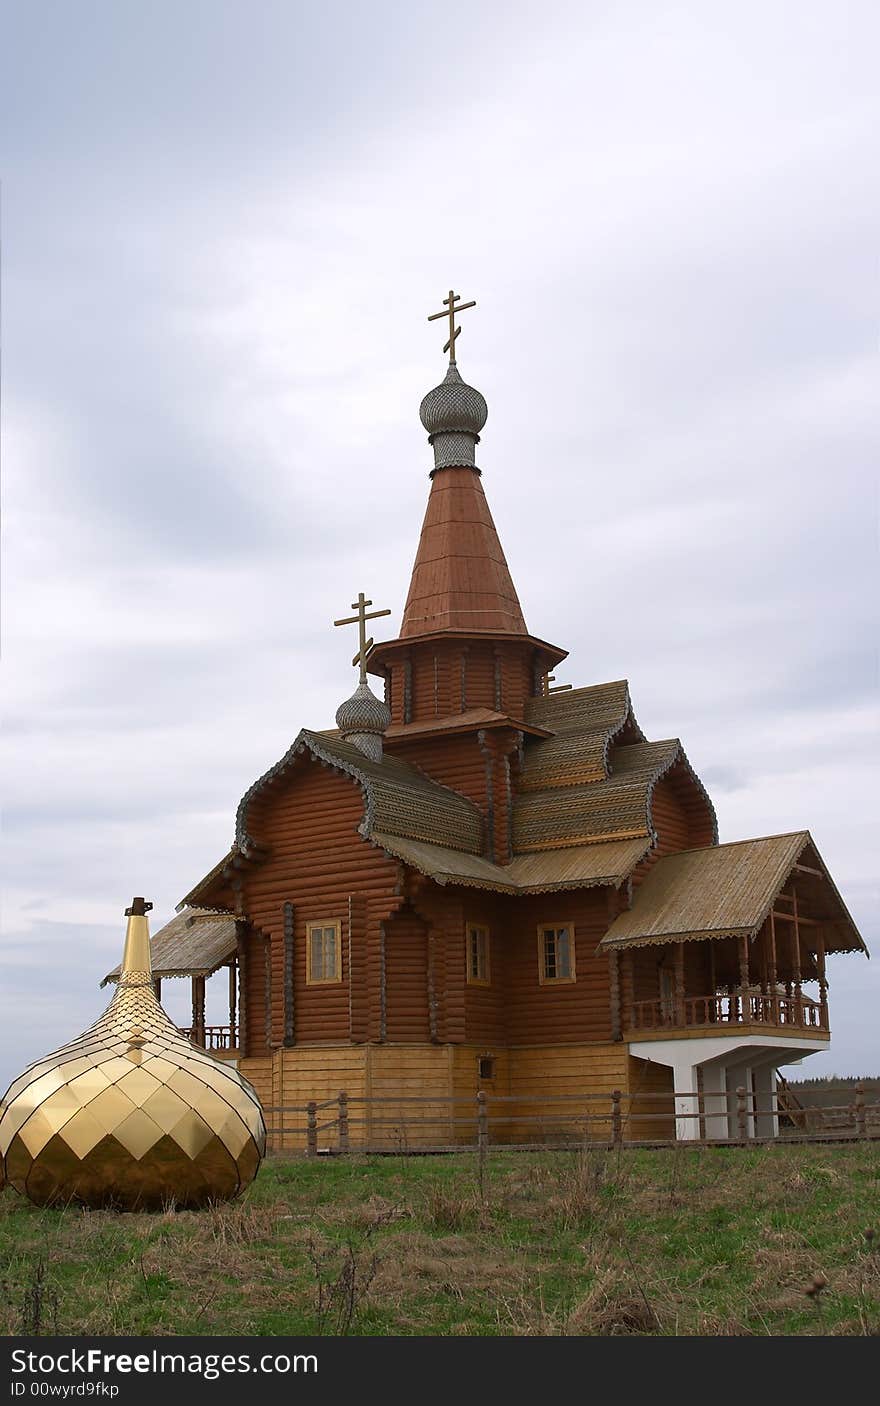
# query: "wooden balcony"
[212,1037]
[726,1010]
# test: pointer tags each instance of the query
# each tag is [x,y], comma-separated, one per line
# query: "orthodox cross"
[360,619]
[450,312]
[560,687]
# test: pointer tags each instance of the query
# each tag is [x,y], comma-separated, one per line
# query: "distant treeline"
[835,1091]
[870,1081]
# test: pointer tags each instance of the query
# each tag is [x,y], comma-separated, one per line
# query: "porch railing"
[726,1008]
[216,1037]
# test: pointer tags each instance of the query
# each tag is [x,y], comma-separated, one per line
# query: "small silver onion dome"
[363,719]
[453,413]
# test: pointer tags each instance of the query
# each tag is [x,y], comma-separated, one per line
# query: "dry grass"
[720,1242]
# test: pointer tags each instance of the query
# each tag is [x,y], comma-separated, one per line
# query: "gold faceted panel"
[130,1115]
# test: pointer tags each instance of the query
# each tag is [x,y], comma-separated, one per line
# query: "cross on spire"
[360,619]
[450,311]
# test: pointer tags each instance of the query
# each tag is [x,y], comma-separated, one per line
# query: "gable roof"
[584,721]
[195,943]
[616,806]
[399,799]
[722,891]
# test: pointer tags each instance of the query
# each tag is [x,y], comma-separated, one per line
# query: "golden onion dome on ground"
[131,1115]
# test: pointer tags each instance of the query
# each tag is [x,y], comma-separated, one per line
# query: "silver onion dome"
[362,720]
[453,413]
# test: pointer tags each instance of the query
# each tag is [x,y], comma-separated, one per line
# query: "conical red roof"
[460,580]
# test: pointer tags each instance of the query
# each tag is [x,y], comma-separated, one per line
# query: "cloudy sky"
[224,225]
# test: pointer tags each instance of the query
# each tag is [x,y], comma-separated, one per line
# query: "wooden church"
[479,881]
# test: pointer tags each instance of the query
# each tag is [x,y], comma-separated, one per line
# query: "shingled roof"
[613,807]
[584,722]
[724,891]
[586,866]
[399,799]
[195,943]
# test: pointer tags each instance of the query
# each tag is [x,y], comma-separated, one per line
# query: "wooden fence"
[440,1124]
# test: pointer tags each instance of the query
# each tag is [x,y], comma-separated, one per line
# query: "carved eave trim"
[679,757]
[377,655]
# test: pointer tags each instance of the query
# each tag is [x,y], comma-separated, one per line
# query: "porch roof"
[195,943]
[582,866]
[726,891]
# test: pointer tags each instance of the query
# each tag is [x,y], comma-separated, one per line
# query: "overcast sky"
[224,226]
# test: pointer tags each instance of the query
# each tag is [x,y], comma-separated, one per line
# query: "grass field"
[728,1241]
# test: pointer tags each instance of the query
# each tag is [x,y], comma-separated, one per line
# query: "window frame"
[324,924]
[543,979]
[493,1069]
[486,930]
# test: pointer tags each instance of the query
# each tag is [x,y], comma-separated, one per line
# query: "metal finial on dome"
[363,718]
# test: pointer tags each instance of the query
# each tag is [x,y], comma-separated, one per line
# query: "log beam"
[198,1010]
[290,975]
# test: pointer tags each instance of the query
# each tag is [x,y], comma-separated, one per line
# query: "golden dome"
[131,1115]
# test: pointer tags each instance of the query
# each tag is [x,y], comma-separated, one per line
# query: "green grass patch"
[718,1241]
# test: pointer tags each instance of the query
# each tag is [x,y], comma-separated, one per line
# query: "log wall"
[571,1012]
[326,870]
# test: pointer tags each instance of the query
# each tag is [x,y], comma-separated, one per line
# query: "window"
[555,953]
[324,952]
[477,955]
[485,1068]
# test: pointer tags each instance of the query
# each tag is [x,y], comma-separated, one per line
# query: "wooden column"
[614,975]
[383,986]
[679,984]
[241,929]
[488,753]
[431,939]
[233,993]
[289,976]
[714,1012]
[267,987]
[823,983]
[744,976]
[628,992]
[772,979]
[796,962]
[359,998]
[198,1011]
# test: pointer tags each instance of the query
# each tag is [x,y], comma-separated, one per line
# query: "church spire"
[460,579]
[464,647]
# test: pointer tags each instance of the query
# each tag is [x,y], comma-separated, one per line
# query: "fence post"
[616,1121]
[741,1115]
[312,1129]
[482,1123]
[343,1120]
[861,1120]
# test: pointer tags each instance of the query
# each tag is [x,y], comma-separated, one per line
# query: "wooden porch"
[746,982]
[217,1039]
[729,1009]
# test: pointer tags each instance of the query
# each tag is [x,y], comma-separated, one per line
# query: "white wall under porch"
[724,1064]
